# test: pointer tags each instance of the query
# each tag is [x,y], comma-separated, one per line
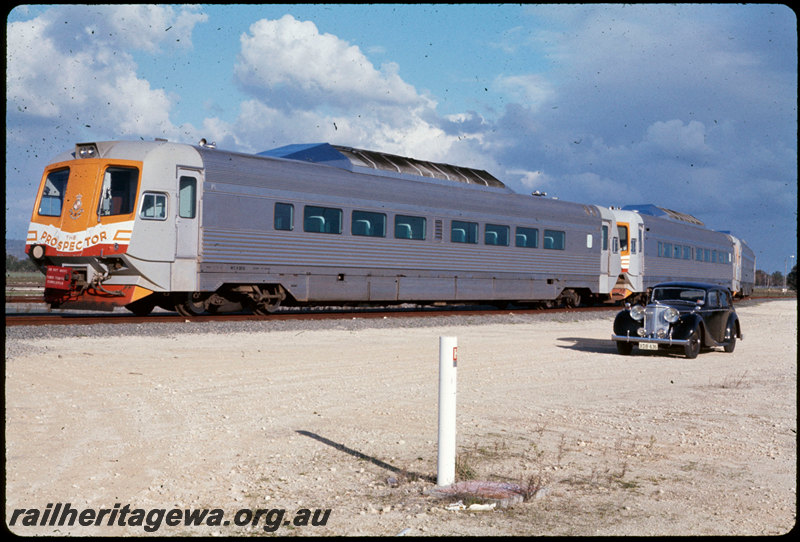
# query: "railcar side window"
[322,219]
[463,232]
[118,195]
[409,227]
[496,235]
[605,237]
[55,187]
[284,216]
[368,224]
[555,240]
[187,197]
[154,206]
[527,237]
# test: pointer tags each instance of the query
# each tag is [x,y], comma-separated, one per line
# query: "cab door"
[187,230]
[609,252]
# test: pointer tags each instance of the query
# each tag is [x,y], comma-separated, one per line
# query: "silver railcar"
[192,228]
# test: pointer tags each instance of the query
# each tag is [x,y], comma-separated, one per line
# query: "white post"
[446,473]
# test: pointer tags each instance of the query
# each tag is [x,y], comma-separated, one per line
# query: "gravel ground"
[341,415]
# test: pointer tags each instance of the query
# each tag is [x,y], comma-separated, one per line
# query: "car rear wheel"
[730,334]
[692,347]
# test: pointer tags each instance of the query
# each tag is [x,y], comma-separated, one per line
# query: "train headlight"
[637,312]
[671,315]
[86,150]
[37,252]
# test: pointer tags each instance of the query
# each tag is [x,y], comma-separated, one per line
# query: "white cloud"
[308,86]
[675,137]
[530,90]
[73,66]
[290,59]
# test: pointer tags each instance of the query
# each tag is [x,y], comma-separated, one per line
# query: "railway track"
[40,319]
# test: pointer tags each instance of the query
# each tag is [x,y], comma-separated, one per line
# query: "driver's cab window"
[118,195]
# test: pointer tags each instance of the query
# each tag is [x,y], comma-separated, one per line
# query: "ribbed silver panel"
[324,250]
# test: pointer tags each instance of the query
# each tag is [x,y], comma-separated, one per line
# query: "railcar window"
[496,235]
[605,238]
[284,216]
[555,240]
[322,219]
[687,253]
[154,206]
[623,237]
[527,237]
[409,227]
[118,195]
[55,187]
[463,232]
[187,197]
[368,224]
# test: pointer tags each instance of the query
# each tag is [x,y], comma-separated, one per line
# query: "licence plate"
[648,346]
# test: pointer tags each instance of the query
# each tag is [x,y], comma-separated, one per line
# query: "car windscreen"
[672,294]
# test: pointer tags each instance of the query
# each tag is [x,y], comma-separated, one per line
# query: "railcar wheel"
[191,305]
[570,299]
[269,301]
[692,348]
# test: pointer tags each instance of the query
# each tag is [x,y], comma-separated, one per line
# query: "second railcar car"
[662,245]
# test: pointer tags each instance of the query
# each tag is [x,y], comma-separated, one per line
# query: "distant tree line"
[17,265]
[775,280]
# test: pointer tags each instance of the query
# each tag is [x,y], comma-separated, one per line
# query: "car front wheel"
[692,347]
[624,348]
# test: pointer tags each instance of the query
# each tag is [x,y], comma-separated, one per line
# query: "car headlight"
[637,312]
[671,315]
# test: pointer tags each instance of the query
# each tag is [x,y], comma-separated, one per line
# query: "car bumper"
[650,340]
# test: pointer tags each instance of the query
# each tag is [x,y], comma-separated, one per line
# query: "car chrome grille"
[654,320]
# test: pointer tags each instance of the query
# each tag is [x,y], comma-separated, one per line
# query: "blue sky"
[689,107]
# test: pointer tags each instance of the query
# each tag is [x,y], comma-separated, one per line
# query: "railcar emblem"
[77,207]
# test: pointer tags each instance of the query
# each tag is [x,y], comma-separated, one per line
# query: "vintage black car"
[679,314]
